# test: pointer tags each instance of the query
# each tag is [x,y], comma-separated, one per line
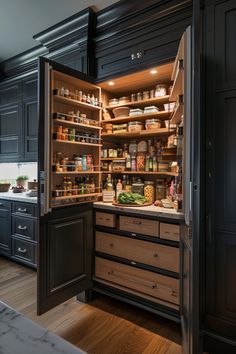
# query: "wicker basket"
[4,187]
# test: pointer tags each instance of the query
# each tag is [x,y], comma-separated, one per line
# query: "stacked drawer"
[139,256]
[24,233]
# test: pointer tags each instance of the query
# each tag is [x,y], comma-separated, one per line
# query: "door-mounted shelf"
[178,112]
[72,102]
[75,142]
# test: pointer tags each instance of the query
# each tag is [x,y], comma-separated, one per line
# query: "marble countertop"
[19,335]
[19,197]
[147,210]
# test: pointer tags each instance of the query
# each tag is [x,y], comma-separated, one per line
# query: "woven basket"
[4,187]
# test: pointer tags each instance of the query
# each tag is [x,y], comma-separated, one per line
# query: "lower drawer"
[139,225]
[153,254]
[23,251]
[149,283]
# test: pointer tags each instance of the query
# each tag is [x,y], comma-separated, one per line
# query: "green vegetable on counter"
[131,198]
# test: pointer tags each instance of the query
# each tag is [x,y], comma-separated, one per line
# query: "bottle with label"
[128,187]
[124,182]
[119,188]
[150,163]
[154,162]
[147,163]
[108,192]
[133,162]
[128,162]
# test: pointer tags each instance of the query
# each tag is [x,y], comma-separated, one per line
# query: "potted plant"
[21,181]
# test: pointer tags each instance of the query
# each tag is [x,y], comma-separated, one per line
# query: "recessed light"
[153,71]
[111,83]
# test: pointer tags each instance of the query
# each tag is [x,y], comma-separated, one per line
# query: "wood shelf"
[79,125]
[142,133]
[78,196]
[76,142]
[142,103]
[70,101]
[177,88]
[178,112]
[174,174]
[165,115]
[111,158]
[77,173]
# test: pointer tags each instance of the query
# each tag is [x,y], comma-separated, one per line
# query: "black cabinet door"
[220,244]
[30,87]
[10,93]
[65,258]
[30,112]
[10,133]
[5,229]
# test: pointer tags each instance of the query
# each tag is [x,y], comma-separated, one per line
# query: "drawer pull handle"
[21,250]
[111,244]
[22,228]
[174,293]
[111,272]
[154,286]
[137,222]
[134,263]
[23,210]
[155,255]
[133,234]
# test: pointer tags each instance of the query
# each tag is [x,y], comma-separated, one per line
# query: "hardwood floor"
[105,326]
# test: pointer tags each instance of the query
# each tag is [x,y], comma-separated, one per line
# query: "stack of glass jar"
[70,134]
[77,164]
[78,186]
[78,95]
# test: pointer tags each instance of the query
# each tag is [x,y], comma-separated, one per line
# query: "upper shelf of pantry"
[145,79]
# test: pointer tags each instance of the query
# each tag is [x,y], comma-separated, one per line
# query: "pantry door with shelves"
[69,181]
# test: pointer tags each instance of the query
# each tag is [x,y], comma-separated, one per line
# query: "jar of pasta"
[149,191]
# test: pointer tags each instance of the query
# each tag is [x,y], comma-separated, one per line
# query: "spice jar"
[161,90]
[64,134]
[139,96]
[138,187]
[160,190]
[133,97]
[78,163]
[149,191]
[59,132]
[146,95]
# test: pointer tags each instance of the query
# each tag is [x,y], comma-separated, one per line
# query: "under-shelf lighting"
[111,83]
[153,71]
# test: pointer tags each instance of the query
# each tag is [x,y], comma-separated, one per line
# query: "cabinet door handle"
[139,55]
[23,210]
[154,286]
[22,228]
[21,250]
[133,56]
[111,272]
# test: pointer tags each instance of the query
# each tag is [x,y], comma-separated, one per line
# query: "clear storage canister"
[149,191]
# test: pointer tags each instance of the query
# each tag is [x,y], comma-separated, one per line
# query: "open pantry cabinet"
[77,125]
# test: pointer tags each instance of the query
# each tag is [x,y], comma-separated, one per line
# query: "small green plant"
[22,178]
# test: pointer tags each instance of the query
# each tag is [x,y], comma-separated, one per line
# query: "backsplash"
[10,171]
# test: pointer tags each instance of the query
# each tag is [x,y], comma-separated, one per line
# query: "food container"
[152,93]
[141,156]
[109,128]
[146,95]
[138,187]
[166,203]
[133,97]
[151,109]
[120,128]
[152,123]
[169,106]
[160,190]
[113,101]
[133,147]
[59,132]
[135,126]
[174,167]
[135,112]
[105,166]
[118,165]
[163,166]
[161,90]
[121,112]
[4,187]
[124,99]
[142,146]
[139,96]
[149,191]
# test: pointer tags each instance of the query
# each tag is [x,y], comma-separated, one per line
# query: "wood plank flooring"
[105,326]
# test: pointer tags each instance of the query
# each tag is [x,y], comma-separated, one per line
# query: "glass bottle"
[147,163]
[154,161]
[118,188]
[133,162]
[128,162]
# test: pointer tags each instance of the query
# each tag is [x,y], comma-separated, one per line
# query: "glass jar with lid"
[160,190]
[138,187]
[149,191]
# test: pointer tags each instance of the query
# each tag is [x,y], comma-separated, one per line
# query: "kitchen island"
[19,335]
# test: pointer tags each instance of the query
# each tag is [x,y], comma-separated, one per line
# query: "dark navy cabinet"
[5,230]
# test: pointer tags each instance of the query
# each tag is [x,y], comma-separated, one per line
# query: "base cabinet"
[5,229]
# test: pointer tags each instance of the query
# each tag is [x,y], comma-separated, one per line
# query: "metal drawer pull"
[23,210]
[134,263]
[110,272]
[154,286]
[133,234]
[155,255]
[111,244]
[21,250]
[22,228]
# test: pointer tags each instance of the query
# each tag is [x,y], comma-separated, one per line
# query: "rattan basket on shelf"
[4,187]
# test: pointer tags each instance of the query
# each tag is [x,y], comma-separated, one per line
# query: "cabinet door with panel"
[30,108]
[10,93]
[5,230]
[10,133]
[30,87]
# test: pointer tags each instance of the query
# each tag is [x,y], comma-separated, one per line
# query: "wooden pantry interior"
[133,253]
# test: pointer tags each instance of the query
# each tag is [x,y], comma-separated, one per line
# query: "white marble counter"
[19,197]
[146,210]
[19,335]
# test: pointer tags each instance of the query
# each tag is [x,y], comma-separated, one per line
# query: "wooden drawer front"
[169,231]
[160,256]
[139,225]
[105,219]
[24,226]
[23,208]
[156,285]
[23,250]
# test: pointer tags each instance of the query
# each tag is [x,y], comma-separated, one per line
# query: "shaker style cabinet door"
[30,112]
[5,229]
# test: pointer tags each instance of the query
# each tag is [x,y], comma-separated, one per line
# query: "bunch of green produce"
[131,198]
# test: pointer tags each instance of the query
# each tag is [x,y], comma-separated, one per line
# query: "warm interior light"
[111,83]
[153,71]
